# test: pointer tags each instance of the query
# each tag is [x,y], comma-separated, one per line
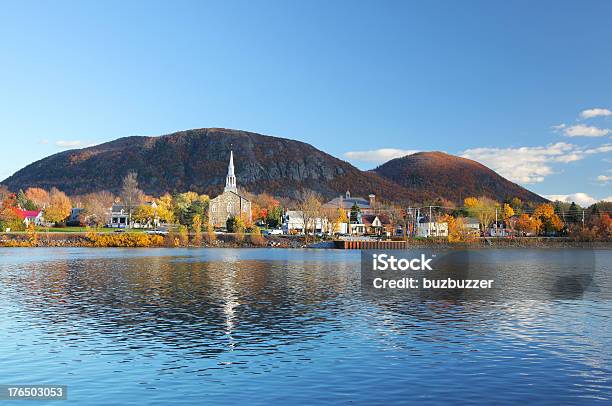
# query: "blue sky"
[487,80]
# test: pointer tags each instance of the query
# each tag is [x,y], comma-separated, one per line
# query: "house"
[377,224]
[502,228]
[74,219]
[229,203]
[431,228]
[30,216]
[120,217]
[293,223]
[471,225]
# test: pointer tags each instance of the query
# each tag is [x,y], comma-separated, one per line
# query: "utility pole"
[429,225]
[583,218]
[496,221]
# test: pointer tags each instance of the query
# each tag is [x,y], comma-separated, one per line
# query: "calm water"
[286,326]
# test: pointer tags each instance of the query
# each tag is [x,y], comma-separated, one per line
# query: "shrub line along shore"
[237,240]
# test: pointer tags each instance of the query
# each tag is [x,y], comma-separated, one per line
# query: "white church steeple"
[230,179]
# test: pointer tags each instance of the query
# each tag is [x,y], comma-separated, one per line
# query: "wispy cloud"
[581,130]
[597,112]
[604,179]
[378,156]
[531,164]
[579,198]
[558,127]
[73,144]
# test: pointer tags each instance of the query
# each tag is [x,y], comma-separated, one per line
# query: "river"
[261,326]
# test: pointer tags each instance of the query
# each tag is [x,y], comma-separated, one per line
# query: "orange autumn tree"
[549,221]
[526,224]
[454,233]
[38,196]
[8,216]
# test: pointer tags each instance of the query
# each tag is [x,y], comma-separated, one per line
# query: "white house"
[293,223]
[471,225]
[427,228]
[120,217]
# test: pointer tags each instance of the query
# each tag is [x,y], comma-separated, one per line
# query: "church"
[229,203]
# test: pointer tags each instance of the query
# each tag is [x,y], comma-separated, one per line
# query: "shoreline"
[141,240]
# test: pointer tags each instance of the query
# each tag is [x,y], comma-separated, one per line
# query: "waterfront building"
[230,203]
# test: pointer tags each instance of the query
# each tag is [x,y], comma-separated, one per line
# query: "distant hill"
[451,176]
[197,160]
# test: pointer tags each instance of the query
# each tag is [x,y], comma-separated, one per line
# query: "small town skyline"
[237,211]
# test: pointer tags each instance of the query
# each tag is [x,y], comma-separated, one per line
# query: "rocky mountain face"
[452,177]
[197,160]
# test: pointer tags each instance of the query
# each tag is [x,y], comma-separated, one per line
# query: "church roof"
[232,192]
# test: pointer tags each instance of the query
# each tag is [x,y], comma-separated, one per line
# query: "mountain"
[197,160]
[451,176]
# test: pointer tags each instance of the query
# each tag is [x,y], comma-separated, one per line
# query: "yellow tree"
[144,214]
[196,224]
[482,208]
[454,233]
[165,211]
[470,202]
[508,211]
[549,221]
[210,233]
[59,206]
[341,219]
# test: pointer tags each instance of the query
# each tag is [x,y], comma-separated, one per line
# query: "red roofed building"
[29,216]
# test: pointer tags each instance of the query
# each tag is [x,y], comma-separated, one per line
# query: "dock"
[370,245]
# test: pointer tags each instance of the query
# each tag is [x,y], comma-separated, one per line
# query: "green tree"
[235,225]
[274,216]
[24,202]
[574,213]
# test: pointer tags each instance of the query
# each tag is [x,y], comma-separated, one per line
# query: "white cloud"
[579,198]
[68,144]
[600,149]
[73,144]
[558,127]
[530,164]
[378,156]
[581,130]
[598,112]
[604,178]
